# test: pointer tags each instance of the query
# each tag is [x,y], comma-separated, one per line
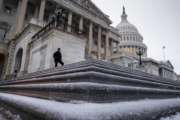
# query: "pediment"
[169,64]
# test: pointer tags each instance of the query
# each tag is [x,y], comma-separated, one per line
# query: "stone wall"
[22,43]
[152,68]
[41,53]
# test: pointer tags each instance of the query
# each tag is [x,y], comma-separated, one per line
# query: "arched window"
[18,60]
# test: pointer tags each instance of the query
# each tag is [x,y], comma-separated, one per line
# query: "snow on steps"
[173,117]
[52,110]
[87,91]
[132,84]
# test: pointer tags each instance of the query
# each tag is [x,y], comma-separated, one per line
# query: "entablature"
[73,6]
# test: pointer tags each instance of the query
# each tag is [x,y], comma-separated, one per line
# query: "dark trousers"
[58,61]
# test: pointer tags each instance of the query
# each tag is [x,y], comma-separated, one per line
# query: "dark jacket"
[57,55]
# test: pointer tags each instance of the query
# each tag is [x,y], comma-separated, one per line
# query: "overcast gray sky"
[157,20]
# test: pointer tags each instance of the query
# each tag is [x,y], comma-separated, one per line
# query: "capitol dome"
[130,39]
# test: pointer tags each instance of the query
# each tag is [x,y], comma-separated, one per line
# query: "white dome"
[130,39]
[126,27]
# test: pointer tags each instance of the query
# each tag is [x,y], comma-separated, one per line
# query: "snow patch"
[90,111]
[5,114]
[174,117]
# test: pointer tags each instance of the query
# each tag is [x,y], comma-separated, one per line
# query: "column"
[134,50]
[69,22]
[90,40]
[107,46]
[1,5]
[117,45]
[111,47]
[21,15]
[3,76]
[99,42]
[36,13]
[42,10]
[27,59]
[10,57]
[81,22]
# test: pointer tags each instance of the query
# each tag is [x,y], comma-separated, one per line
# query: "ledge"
[52,110]
[88,91]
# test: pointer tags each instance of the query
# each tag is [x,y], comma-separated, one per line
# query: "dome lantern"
[124,15]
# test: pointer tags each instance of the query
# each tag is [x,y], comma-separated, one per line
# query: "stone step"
[91,92]
[99,67]
[95,77]
[133,84]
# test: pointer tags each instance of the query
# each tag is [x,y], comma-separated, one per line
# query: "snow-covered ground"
[6,114]
[91,111]
[2,117]
[174,117]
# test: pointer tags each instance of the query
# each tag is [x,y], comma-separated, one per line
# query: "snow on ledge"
[53,110]
[174,117]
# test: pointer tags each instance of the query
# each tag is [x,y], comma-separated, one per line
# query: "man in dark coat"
[58,57]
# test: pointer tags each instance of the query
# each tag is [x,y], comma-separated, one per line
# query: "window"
[10,6]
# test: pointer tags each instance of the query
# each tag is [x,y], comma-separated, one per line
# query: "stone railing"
[44,30]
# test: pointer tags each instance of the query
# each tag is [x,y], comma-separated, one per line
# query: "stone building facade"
[130,43]
[130,39]
[28,37]
[178,77]
[86,34]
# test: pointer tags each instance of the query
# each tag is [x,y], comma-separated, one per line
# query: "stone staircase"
[92,81]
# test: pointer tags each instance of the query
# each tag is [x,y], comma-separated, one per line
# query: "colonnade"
[133,50]
[108,42]
[22,10]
